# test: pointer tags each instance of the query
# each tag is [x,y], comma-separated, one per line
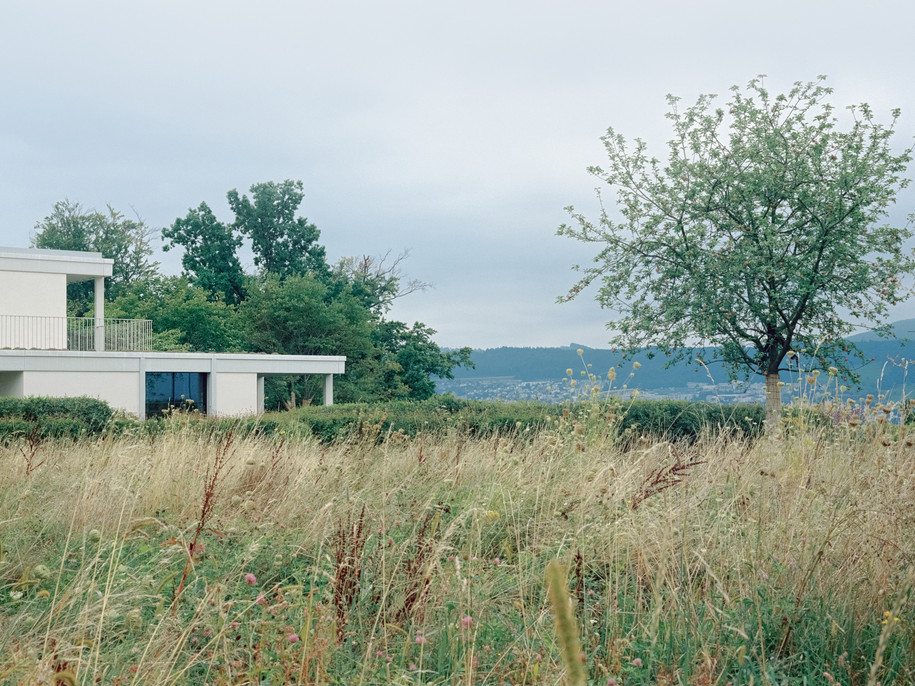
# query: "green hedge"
[53,417]
[683,419]
[673,419]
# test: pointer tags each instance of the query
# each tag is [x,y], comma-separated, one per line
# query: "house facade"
[45,353]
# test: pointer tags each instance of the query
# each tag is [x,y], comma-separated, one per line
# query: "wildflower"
[569,371]
[636,365]
[637,662]
[412,667]
[612,373]
[580,352]
[421,639]
[466,621]
[497,562]
[261,600]
[833,371]
[293,638]
[250,579]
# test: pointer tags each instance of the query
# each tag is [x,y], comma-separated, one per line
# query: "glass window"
[170,391]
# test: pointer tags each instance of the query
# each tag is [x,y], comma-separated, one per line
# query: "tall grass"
[422,560]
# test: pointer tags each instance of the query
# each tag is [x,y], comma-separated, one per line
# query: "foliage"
[209,260]
[284,245]
[409,358]
[183,316]
[45,417]
[377,281]
[759,234]
[446,414]
[296,305]
[126,241]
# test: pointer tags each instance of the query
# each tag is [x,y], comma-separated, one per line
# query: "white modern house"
[45,353]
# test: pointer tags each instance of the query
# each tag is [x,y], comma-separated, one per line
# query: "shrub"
[53,417]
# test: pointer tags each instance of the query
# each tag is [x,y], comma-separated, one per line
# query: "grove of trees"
[764,234]
[295,303]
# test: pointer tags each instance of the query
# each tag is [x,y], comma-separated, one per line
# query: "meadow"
[201,555]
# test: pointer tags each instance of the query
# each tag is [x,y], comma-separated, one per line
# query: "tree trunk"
[773,404]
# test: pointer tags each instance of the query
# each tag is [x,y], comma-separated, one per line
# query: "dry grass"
[422,560]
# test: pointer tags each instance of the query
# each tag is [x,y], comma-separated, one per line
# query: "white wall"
[232,394]
[39,296]
[121,390]
[11,384]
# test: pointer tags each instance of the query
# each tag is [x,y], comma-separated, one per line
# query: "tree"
[126,241]
[408,358]
[283,244]
[210,260]
[299,315]
[377,281]
[762,234]
[183,316]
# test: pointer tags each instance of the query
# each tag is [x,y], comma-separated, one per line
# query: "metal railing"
[75,333]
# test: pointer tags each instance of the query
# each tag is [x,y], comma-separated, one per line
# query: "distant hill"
[904,328]
[884,367]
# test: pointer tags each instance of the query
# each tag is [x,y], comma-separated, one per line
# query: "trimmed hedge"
[53,417]
[671,419]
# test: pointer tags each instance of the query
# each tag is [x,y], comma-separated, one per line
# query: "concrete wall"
[33,310]
[232,394]
[11,384]
[121,390]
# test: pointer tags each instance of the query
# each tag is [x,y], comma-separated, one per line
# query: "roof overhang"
[76,265]
[223,363]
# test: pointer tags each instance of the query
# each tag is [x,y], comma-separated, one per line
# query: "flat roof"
[228,363]
[77,265]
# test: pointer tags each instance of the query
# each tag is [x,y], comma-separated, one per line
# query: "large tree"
[209,260]
[283,244]
[764,232]
[126,241]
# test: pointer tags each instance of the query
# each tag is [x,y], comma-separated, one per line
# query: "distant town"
[575,372]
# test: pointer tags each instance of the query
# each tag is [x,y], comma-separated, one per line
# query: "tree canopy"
[209,260]
[126,241]
[764,232]
[295,304]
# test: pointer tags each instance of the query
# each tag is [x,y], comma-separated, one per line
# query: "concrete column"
[100,314]
[260,394]
[328,389]
[141,413]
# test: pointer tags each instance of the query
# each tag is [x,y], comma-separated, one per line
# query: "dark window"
[182,391]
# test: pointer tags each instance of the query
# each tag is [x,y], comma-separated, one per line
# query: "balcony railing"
[75,333]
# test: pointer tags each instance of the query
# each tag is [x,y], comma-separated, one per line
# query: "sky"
[457,131]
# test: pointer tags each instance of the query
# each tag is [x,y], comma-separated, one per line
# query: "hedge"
[672,419]
[53,417]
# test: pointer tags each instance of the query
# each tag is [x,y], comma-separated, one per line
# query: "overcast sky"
[458,131]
